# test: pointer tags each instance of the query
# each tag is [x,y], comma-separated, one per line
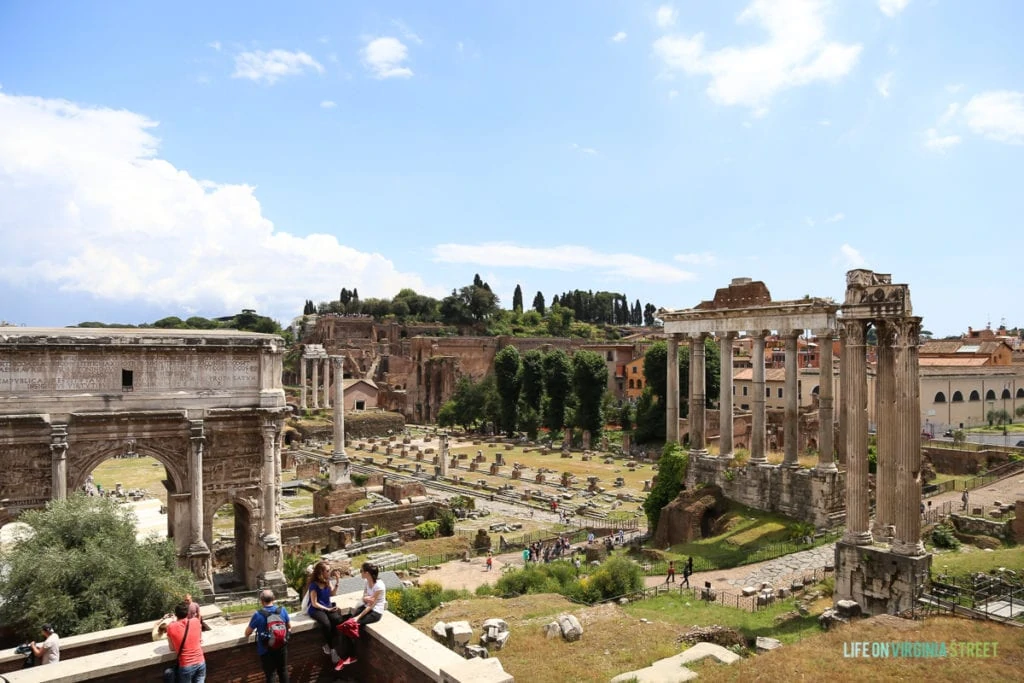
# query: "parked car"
[1020,444]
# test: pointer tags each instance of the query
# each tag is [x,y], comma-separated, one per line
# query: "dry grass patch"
[612,641]
[820,657]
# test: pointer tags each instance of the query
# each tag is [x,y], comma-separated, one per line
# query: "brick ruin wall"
[956,461]
[314,534]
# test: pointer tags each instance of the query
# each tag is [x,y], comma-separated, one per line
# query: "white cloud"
[954,88]
[825,122]
[950,113]
[666,16]
[851,256]
[133,227]
[215,45]
[835,218]
[384,58]
[407,32]
[797,52]
[270,66]
[704,258]
[997,115]
[567,257]
[589,151]
[460,47]
[938,142]
[619,37]
[891,8]
[328,104]
[883,83]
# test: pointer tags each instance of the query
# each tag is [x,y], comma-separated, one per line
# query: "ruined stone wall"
[967,524]
[956,461]
[804,494]
[314,534]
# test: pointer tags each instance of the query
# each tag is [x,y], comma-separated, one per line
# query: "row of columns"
[898,484]
[697,398]
[318,389]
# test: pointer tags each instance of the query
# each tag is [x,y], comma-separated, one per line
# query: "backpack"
[275,636]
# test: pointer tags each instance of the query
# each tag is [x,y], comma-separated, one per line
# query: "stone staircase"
[389,559]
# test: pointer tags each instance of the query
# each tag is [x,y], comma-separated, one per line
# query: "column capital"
[909,330]
[854,331]
[338,361]
[791,334]
[824,332]
[698,335]
[758,334]
[196,430]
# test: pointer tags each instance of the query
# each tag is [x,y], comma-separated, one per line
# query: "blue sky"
[197,158]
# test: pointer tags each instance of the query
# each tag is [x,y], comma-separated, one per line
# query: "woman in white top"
[369,611]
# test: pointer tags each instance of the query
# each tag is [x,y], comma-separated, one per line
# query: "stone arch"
[85,457]
[975,396]
[1006,394]
[816,390]
[248,516]
[990,395]
[940,397]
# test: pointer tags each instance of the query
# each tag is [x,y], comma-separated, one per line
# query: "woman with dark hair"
[369,611]
[321,609]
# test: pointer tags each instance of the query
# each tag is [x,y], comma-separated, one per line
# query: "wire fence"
[999,597]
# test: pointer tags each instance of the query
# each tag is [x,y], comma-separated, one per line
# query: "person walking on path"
[964,498]
[671,578]
[687,570]
[271,644]
[490,561]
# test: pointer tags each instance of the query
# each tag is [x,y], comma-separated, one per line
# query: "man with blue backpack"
[272,626]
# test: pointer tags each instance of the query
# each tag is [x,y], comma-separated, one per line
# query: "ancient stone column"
[826,441]
[698,409]
[854,385]
[198,551]
[59,461]
[844,372]
[327,383]
[886,433]
[443,455]
[672,391]
[268,482]
[908,440]
[790,447]
[339,460]
[757,432]
[725,439]
[302,381]
[315,389]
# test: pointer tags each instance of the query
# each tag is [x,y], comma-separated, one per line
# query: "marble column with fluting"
[268,482]
[340,474]
[672,391]
[854,385]
[315,389]
[59,461]
[758,454]
[725,439]
[844,372]
[302,382]
[791,416]
[198,552]
[698,403]
[908,440]
[327,383]
[885,433]
[826,438]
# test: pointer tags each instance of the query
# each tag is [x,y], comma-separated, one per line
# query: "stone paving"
[777,572]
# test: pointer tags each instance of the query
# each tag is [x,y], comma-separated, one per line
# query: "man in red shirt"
[183,637]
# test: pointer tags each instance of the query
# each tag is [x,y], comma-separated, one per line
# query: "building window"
[957,397]
[744,390]
[610,356]
[767,392]
[127,383]
[744,406]
[631,384]
[815,390]
[940,397]
[780,392]
[975,396]
[1006,394]
[990,395]
[733,389]
[634,369]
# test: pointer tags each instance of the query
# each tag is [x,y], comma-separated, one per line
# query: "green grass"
[997,429]
[969,560]
[747,531]
[132,473]
[770,621]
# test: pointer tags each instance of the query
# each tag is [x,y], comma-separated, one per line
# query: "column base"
[199,564]
[791,464]
[275,581]
[727,456]
[826,467]
[858,538]
[883,533]
[699,452]
[908,549]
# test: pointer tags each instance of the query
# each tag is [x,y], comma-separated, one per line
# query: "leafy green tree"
[650,418]
[1020,411]
[649,311]
[626,417]
[558,380]
[447,415]
[589,379]
[671,474]
[533,377]
[508,374]
[538,302]
[83,570]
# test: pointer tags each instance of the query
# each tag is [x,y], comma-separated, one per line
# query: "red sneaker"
[345,662]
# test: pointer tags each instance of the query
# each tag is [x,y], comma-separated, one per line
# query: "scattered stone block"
[848,609]
[440,632]
[552,630]
[572,630]
[748,591]
[763,644]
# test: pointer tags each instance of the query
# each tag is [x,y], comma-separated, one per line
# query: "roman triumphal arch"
[207,404]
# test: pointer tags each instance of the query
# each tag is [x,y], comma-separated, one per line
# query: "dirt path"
[1008,490]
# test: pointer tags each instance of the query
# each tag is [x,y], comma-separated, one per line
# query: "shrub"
[800,530]
[943,537]
[671,472]
[412,603]
[428,529]
[359,479]
[485,590]
[446,522]
[618,576]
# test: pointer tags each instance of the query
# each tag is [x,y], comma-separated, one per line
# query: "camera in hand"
[30,657]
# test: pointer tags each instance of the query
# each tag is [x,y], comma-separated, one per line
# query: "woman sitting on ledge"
[321,609]
[369,611]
